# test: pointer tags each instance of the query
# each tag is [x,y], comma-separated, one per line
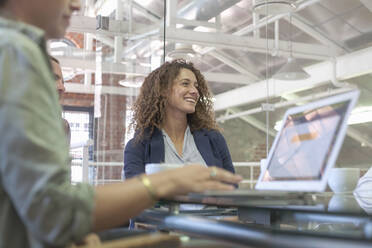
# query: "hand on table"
[193,178]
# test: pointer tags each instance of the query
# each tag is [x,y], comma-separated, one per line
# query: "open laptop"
[305,148]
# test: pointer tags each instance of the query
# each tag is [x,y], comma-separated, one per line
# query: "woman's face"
[184,93]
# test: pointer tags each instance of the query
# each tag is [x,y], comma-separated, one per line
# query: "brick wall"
[110,134]
[78,100]
[109,129]
[76,38]
[246,144]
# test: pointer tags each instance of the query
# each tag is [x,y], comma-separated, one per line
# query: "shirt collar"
[187,131]
[34,33]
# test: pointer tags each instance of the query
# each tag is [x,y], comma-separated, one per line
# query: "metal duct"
[208,9]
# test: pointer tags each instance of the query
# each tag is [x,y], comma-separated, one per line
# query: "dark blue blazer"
[210,143]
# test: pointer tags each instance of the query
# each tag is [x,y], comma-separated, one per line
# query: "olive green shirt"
[38,205]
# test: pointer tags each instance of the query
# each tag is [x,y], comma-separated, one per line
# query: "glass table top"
[327,202]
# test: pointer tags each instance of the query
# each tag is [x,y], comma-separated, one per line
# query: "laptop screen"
[305,143]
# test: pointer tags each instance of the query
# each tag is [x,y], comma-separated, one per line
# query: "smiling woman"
[156,91]
[174,122]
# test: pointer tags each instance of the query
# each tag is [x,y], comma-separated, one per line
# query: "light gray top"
[38,205]
[190,153]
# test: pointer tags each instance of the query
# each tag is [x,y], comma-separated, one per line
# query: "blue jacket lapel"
[157,147]
[202,143]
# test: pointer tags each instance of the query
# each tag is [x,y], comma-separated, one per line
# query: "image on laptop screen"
[307,145]
[305,142]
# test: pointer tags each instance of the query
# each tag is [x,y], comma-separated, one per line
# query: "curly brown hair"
[149,108]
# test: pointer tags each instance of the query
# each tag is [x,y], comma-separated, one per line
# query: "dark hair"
[51,57]
[149,108]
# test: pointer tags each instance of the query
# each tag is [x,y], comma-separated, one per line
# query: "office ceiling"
[237,50]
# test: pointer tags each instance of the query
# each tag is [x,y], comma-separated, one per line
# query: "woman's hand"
[192,178]
[116,203]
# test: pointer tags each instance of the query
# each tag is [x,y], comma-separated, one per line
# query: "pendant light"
[182,51]
[291,70]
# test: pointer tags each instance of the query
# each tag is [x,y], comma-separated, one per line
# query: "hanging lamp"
[182,51]
[291,70]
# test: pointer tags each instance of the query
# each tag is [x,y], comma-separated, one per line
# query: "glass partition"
[112,45]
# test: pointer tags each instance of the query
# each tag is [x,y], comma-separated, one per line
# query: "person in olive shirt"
[38,205]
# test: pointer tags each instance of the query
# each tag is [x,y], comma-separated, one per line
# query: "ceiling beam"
[82,24]
[154,29]
[137,70]
[220,40]
[367,3]
[90,89]
[255,27]
[106,67]
[146,12]
[348,66]
[301,4]
[194,23]
[227,78]
[282,104]
[85,24]
[171,14]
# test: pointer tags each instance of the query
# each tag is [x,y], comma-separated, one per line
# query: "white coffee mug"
[343,179]
[158,167]
[263,164]
[343,203]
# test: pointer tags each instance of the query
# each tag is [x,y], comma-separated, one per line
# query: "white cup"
[155,167]
[343,203]
[343,179]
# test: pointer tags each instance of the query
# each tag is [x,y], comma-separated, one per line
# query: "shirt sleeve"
[34,152]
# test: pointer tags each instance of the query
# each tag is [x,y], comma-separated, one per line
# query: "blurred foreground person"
[38,205]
